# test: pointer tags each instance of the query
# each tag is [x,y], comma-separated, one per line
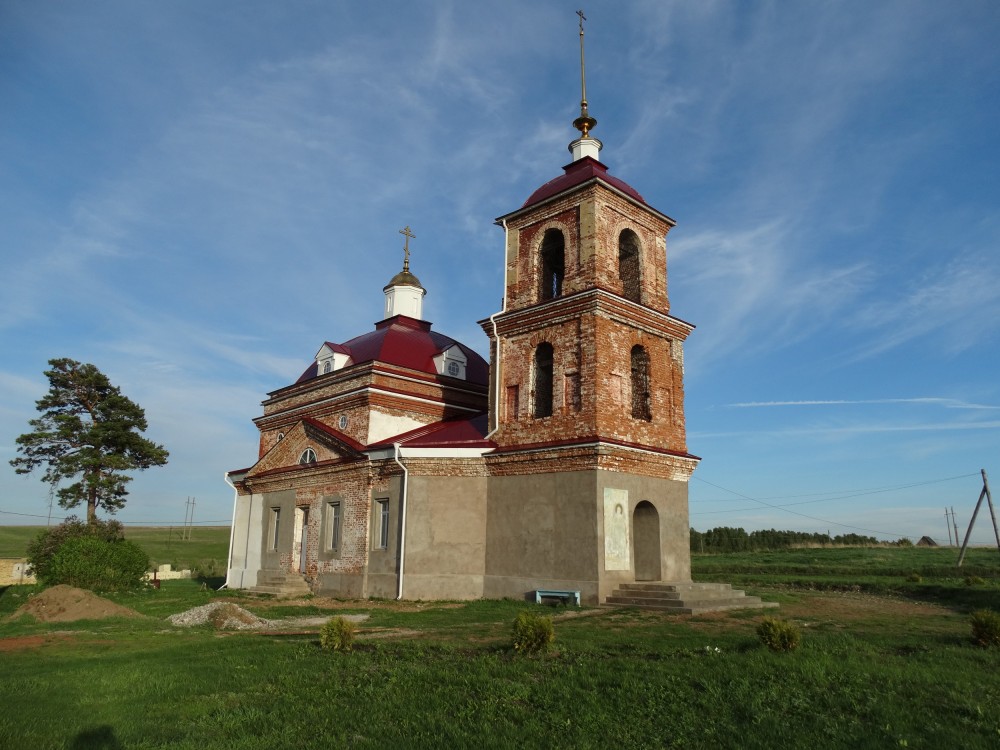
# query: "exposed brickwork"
[557,459]
[615,254]
[358,392]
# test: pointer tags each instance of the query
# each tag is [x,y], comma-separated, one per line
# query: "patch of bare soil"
[857,606]
[831,607]
[66,603]
[322,602]
[229,616]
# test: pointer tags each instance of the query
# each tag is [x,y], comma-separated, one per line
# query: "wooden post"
[947,523]
[989,501]
[968,533]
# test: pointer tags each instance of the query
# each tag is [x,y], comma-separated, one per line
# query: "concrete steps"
[684,598]
[281,583]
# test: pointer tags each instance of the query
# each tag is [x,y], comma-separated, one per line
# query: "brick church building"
[402,465]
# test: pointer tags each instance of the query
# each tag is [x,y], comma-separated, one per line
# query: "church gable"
[308,443]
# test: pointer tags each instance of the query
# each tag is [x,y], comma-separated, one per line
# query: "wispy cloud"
[757,285]
[948,403]
[956,305]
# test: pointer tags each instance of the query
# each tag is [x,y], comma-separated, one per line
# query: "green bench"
[565,596]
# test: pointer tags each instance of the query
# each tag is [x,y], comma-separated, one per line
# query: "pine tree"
[90,432]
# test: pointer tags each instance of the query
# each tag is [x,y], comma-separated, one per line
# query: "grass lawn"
[888,664]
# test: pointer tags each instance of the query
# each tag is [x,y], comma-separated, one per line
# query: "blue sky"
[194,196]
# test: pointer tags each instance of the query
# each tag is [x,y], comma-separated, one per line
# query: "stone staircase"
[281,583]
[684,598]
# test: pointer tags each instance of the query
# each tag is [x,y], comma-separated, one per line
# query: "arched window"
[553,264]
[543,380]
[308,457]
[327,367]
[640,384]
[628,265]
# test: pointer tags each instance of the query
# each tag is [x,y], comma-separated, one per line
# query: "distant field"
[206,550]
[853,562]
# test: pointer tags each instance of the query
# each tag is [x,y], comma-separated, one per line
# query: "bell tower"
[585,348]
[587,378]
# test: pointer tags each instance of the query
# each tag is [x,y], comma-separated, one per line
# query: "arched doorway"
[646,541]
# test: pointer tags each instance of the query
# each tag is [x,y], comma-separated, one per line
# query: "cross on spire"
[584,123]
[406,245]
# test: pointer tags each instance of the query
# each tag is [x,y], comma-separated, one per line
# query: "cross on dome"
[405,231]
[404,294]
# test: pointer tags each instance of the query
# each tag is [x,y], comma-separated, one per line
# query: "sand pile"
[66,603]
[223,615]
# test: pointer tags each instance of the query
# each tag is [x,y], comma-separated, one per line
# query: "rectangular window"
[383,524]
[275,518]
[333,514]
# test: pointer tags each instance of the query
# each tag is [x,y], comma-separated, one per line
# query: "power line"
[838,494]
[130,523]
[793,512]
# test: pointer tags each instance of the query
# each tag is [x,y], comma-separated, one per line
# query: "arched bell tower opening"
[646,542]
[629,267]
[641,408]
[552,264]
[543,380]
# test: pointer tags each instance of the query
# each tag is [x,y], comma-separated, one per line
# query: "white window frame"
[273,528]
[335,516]
[382,524]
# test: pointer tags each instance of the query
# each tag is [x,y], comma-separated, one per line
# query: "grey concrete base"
[510,587]
[442,587]
[684,598]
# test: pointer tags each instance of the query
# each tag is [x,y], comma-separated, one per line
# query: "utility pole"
[989,499]
[188,518]
[947,524]
[954,523]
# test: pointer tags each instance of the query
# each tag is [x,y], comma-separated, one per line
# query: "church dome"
[406,342]
[403,278]
[577,173]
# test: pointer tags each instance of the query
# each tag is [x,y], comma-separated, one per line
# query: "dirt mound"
[222,615]
[65,603]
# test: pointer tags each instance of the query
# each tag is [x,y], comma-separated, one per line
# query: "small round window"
[342,421]
[454,369]
[308,457]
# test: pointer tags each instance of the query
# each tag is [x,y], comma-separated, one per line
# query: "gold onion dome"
[403,278]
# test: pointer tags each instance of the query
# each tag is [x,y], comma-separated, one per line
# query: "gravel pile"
[223,615]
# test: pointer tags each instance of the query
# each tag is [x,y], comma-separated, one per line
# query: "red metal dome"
[406,342]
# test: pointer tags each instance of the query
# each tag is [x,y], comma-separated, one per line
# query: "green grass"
[206,551]
[875,669]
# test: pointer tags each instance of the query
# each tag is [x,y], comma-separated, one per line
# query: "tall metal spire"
[584,123]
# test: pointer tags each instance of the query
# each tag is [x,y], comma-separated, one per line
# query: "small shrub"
[43,548]
[779,635]
[914,577]
[974,581]
[532,633]
[337,634]
[985,628]
[92,563]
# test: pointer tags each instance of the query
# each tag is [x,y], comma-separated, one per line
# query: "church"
[402,465]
